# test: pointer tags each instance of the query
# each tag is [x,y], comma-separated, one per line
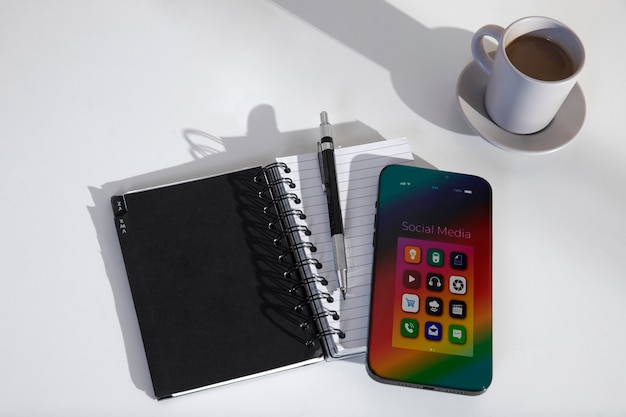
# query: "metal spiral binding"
[273,165]
[280,198]
[314,278]
[326,313]
[292,212]
[269,185]
[299,245]
[332,331]
[276,192]
[301,263]
[311,298]
[290,230]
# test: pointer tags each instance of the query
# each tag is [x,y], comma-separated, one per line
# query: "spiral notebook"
[232,276]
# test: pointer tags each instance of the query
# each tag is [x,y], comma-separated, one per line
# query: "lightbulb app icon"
[412,254]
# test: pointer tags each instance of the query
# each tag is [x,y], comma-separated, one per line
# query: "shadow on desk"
[212,155]
[424,63]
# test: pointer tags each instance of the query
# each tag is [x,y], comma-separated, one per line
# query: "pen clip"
[321,164]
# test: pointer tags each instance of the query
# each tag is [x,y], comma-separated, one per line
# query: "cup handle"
[478,49]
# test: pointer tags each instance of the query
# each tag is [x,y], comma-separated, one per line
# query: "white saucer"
[470,90]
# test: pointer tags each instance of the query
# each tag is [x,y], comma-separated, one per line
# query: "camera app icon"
[458,284]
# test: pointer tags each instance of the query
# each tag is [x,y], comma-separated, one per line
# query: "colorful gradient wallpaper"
[431,313]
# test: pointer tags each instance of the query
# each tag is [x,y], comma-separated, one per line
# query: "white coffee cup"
[515,101]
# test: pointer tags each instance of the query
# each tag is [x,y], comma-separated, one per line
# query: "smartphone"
[431,315]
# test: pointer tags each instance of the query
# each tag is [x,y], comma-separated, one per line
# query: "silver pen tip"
[324,118]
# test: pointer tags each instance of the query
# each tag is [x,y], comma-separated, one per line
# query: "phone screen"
[430,322]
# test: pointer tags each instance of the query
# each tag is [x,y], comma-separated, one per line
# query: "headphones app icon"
[434,282]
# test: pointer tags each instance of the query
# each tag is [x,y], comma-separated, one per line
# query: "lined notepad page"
[358,169]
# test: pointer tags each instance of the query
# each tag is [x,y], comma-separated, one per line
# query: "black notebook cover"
[208,287]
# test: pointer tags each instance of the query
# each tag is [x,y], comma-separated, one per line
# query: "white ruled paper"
[358,169]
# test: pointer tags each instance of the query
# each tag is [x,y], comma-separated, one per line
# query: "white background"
[99,97]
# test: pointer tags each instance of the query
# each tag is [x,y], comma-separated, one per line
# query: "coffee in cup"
[541,58]
[536,64]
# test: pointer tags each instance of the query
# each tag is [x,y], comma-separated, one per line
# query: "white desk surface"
[98,97]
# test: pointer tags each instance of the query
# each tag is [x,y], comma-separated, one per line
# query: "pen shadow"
[361,225]
[211,155]
[423,63]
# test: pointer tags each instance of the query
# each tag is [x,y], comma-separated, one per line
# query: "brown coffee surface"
[540,58]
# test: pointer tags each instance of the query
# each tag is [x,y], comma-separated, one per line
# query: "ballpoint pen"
[326,155]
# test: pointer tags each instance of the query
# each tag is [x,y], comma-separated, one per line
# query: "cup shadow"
[424,63]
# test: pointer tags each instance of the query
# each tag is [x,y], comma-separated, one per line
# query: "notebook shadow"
[277,288]
[211,155]
[424,63]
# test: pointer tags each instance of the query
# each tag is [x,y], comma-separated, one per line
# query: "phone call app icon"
[412,254]
[410,303]
[435,257]
[411,279]
[409,328]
